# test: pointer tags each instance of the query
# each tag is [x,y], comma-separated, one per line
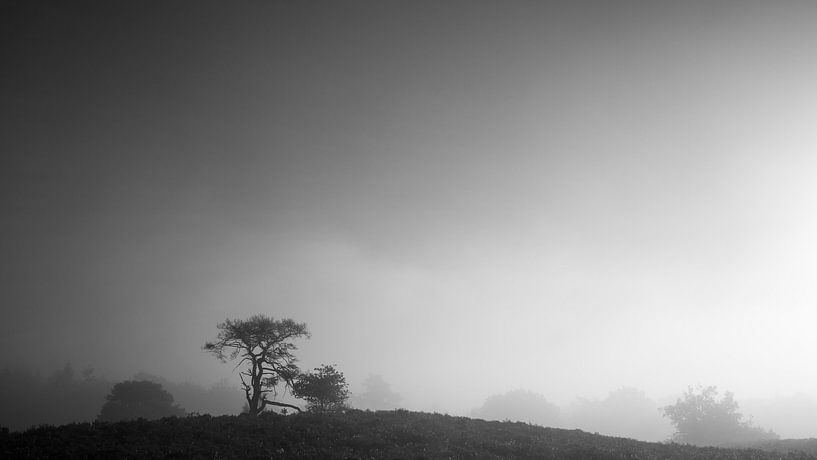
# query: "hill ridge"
[355,434]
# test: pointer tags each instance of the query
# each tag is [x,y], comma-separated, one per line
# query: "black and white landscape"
[578,214]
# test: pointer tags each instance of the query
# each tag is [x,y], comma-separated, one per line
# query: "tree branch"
[280,404]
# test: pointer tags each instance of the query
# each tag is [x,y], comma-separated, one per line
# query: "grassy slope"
[355,434]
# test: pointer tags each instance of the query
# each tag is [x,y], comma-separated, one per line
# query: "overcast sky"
[464,197]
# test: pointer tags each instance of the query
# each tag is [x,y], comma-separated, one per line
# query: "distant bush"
[376,395]
[131,400]
[520,406]
[624,412]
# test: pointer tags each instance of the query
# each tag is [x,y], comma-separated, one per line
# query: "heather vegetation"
[353,434]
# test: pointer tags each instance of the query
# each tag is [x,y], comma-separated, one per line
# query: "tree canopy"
[134,399]
[701,418]
[264,349]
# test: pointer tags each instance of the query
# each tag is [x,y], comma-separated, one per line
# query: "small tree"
[325,389]
[264,348]
[701,418]
[134,399]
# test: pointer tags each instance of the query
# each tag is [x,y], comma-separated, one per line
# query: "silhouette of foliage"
[701,418]
[325,389]
[263,346]
[134,399]
[377,395]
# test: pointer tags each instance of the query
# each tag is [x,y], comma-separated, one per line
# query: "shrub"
[138,399]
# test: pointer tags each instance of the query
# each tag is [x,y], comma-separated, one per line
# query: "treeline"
[29,398]
[702,416]
[222,398]
[626,412]
[66,395]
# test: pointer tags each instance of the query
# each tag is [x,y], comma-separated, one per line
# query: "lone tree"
[701,418]
[134,399]
[264,348]
[325,389]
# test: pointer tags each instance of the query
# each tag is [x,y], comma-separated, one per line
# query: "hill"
[354,434]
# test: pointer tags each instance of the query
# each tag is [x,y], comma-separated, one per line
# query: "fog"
[465,198]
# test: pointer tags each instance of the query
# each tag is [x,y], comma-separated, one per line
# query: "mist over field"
[591,202]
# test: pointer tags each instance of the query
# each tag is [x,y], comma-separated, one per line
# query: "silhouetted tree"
[377,395]
[325,389]
[264,347]
[701,418]
[519,405]
[138,399]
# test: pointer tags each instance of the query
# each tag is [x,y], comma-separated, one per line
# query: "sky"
[463,197]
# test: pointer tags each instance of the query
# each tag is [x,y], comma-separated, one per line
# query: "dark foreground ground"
[354,435]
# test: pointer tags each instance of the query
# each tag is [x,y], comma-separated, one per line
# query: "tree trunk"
[254,400]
